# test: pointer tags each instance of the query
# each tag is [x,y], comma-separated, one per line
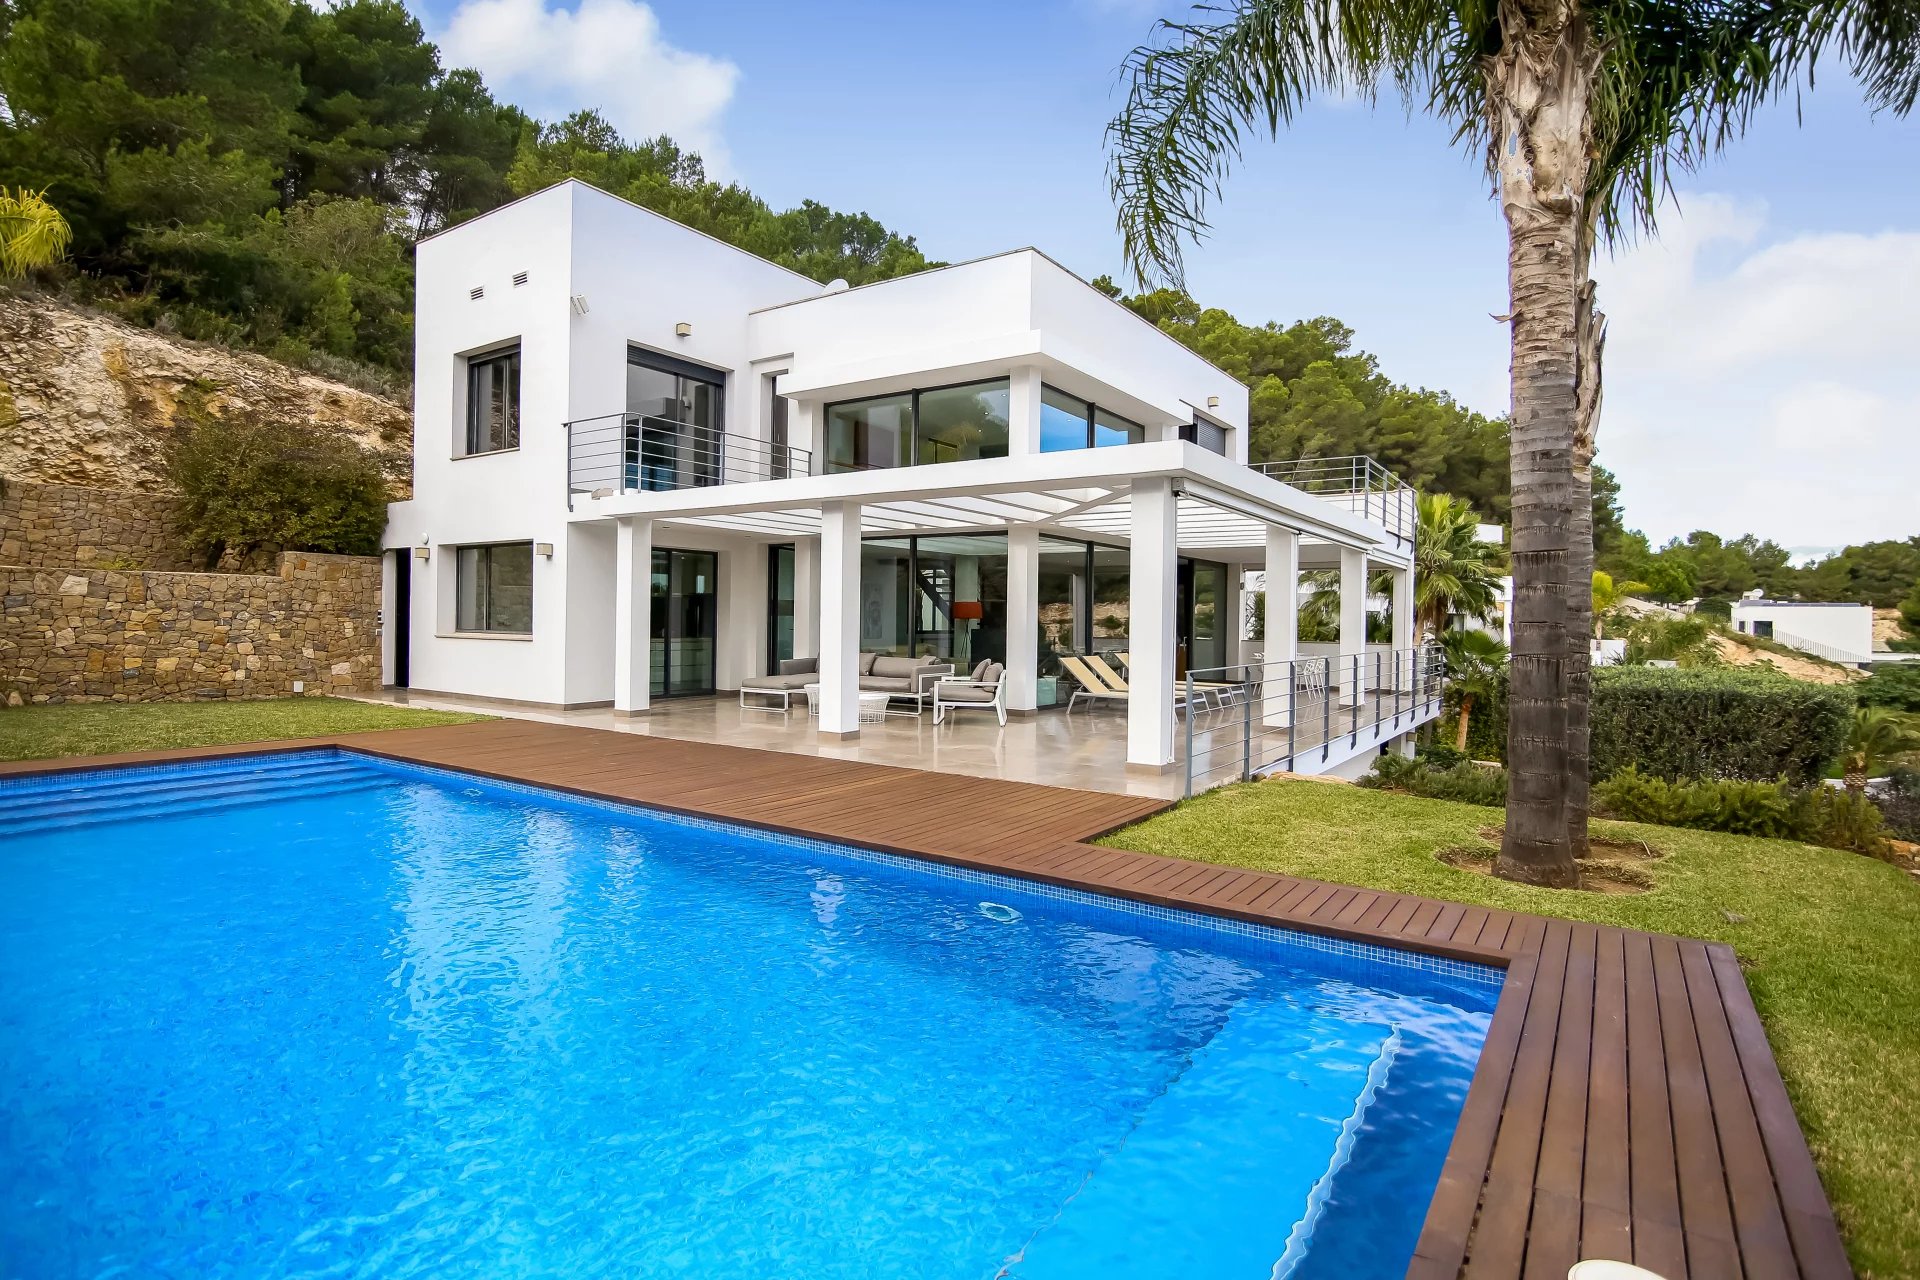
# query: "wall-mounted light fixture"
[421,553]
[1213,402]
[682,330]
[579,304]
[604,491]
[543,549]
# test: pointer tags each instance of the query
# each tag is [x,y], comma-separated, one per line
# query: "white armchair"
[985,689]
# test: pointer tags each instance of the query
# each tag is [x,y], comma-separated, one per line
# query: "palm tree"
[1581,111]
[1609,595]
[1686,642]
[1453,570]
[1474,663]
[32,233]
[1879,735]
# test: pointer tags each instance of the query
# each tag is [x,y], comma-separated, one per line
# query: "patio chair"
[984,690]
[1222,694]
[1093,687]
[775,692]
[1204,689]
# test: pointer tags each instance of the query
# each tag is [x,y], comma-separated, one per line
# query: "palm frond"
[32,233]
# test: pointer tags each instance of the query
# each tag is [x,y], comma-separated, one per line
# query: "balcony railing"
[1246,721]
[1356,483]
[638,453]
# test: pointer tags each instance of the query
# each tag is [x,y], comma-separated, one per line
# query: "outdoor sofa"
[901,679]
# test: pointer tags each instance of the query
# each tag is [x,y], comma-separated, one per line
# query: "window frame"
[471,365]
[460,560]
[1092,417]
[911,429]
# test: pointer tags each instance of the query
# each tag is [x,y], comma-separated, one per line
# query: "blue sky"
[1764,370]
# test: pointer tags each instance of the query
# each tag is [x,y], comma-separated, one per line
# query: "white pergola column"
[1151,631]
[1403,637]
[1353,625]
[1023,411]
[632,614]
[806,597]
[1023,618]
[840,619]
[1280,627]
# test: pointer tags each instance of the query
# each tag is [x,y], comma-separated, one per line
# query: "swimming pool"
[317,1013]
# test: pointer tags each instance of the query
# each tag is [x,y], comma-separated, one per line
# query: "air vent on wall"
[477,293]
[519,278]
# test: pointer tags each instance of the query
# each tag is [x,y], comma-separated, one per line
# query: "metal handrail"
[638,452]
[1374,492]
[1250,719]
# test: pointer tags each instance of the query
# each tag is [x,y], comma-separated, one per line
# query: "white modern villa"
[651,467]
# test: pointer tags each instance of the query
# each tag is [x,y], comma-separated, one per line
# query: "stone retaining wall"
[64,526]
[99,635]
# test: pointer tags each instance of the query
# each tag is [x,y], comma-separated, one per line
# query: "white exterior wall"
[641,275]
[1841,628]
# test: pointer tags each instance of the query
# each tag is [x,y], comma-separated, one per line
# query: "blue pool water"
[315,1014]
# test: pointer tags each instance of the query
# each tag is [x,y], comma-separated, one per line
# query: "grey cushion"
[866,663]
[791,680]
[965,693]
[979,671]
[886,684]
[798,666]
[888,665]
[994,672]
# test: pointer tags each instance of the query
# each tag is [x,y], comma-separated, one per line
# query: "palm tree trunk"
[1466,710]
[1855,778]
[1590,341]
[1538,90]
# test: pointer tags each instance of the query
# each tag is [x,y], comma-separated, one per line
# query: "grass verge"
[1830,943]
[101,728]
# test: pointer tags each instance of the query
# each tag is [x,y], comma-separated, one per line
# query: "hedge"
[1716,722]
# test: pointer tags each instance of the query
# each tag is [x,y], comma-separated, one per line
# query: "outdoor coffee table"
[873,706]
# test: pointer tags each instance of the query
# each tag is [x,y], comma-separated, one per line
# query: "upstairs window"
[493,588]
[1208,436]
[493,402]
[1067,422]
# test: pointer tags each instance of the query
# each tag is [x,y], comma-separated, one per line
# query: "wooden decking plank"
[1606,1201]
[1765,1251]
[1500,1238]
[1816,1239]
[1706,1216]
[1553,1236]
[1659,1244]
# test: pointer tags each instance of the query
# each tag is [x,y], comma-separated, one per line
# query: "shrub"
[1735,806]
[1438,755]
[1899,801]
[1892,684]
[1466,782]
[1774,810]
[253,486]
[1715,723]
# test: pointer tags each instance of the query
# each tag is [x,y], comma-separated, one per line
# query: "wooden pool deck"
[1626,1104]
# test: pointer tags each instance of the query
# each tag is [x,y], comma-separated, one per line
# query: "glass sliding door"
[780,598]
[942,597]
[678,443]
[1063,612]
[685,614]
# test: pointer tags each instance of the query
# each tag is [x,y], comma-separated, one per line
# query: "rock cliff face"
[87,400]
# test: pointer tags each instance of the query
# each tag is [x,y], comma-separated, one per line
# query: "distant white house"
[1836,632]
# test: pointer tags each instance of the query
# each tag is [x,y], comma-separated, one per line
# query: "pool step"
[1273,1102]
[162,797]
[114,787]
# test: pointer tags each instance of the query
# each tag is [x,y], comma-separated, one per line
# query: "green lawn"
[98,728]
[1830,942]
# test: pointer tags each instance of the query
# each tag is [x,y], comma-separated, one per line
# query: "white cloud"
[605,54]
[1764,383]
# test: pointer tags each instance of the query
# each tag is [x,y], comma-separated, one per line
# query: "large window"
[865,434]
[1067,422]
[678,441]
[944,597]
[493,402]
[1207,435]
[947,424]
[780,604]
[493,588]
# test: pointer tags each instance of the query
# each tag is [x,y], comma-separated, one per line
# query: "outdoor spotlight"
[543,549]
[682,330]
[604,491]
[1213,402]
[421,553]
[579,302]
